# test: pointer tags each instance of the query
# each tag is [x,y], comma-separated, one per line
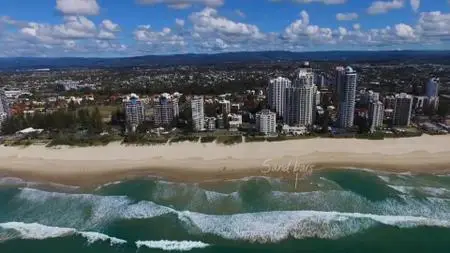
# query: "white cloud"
[208,30]
[165,36]
[301,29]
[240,13]
[415,5]
[208,21]
[75,35]
[78,7]
[108,30]
[184,4]
[347,16]
[381,7]
[435,25]
[405,31]
[180,22]
[110,26]
[73,28]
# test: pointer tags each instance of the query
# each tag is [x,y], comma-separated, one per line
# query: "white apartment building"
[266,122]
[165,110]
[225,106]
[376,115]
[134,111]
[276,94]
[300,105]
[210,123]
[346,97]
[198,113]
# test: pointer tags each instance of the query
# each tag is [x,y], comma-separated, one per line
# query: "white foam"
[256,227]
[11,181]
[269,227]
[145,210]
[36,231]
[436,191]
[432,191]
[172,245]
[107,184]
[103,208]
[401,188]
[94,236]
[384,178]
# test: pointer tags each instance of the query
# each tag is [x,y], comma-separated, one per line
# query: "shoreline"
[195,162]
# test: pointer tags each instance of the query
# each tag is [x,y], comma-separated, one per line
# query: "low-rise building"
[266,122]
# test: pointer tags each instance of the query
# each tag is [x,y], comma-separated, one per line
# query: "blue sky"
[109,28]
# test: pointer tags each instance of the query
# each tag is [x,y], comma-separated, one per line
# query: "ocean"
[328,211]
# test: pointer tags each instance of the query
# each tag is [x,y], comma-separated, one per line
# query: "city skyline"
[87,28]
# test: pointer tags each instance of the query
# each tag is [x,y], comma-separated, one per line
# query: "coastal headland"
[192,162]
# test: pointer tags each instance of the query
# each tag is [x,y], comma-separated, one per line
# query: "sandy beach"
[196,161]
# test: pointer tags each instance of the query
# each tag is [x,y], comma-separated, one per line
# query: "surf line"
[293,167]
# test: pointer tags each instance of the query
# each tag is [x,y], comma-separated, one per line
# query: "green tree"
[97,121]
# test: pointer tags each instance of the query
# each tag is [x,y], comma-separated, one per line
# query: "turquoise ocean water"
[328,211]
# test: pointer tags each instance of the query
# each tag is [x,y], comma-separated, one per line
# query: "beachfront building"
[276,94]
[432,92]
[134,111]
[300,101]
[198,113]
[234,121]
[266,122]
[225,106]
[211,123]
[402,109]
[165,110]
[376,115]
[4,107]
[346,96]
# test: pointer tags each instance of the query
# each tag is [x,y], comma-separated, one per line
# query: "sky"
[117,28]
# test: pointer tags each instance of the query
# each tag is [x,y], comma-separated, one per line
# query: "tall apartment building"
[134,111]
[4,107]
[346,97]
[305,76]
[339,79]
[376,114]
[165,110]
[402,109]
[432,87]
[300,104]
[276,94]
[198,113]
[432,92]
[266,122]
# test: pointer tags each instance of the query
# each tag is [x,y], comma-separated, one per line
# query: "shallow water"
[329,211]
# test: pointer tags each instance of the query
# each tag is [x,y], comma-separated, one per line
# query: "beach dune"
[197,161]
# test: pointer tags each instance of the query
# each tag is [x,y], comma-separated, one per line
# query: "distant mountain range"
[28,63]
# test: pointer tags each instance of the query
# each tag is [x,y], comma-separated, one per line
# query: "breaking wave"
[172,245]
[36,231]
